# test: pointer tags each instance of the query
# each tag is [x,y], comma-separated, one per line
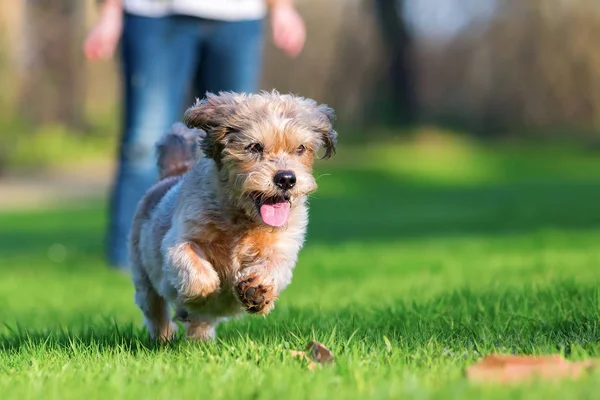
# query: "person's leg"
[232,57]
[158,61]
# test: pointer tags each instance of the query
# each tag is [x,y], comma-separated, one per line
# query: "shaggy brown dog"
[224,236]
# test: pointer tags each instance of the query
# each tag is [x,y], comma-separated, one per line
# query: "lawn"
[420,260]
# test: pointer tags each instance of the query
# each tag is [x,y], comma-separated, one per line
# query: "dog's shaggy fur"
[223,237]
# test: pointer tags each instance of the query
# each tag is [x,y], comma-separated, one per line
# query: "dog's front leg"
[189,274]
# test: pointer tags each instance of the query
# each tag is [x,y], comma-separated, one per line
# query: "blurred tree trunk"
[398,45]
[52,87]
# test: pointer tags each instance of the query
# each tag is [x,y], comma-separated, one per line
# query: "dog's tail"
[178,150]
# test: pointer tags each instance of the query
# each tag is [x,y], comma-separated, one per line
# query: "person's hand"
[102,40]
[289,32]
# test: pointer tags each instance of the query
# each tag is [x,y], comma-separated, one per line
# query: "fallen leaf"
[506,369]
[319,353]
[316,353]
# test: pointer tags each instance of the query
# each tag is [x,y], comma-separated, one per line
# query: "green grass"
[419,260]
[24,147]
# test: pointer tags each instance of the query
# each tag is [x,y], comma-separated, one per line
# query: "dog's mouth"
[273,210]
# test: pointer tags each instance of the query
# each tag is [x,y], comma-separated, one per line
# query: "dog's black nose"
[285,179]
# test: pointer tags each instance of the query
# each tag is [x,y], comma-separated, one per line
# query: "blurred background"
[492,68]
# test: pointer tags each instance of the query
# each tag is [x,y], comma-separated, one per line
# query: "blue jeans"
[165,63]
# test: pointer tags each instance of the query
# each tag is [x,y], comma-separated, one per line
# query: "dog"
[220,232]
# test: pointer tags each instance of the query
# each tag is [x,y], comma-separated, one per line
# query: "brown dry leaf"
[316,353]
[506,369]
[319,353]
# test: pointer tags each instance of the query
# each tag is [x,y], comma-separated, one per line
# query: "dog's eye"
[255,148]
[300,149]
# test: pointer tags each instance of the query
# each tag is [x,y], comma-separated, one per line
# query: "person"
[172,51]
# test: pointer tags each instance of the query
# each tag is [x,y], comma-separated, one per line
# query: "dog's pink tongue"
[275,214]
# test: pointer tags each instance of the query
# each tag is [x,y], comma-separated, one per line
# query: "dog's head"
[264,146]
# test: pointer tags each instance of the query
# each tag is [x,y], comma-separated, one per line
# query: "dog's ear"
[322,118]
[210,115]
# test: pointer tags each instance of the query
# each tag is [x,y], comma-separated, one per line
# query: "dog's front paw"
[257,293]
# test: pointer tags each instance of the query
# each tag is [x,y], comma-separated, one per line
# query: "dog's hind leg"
[200,328]
[153,305]
[155,309]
